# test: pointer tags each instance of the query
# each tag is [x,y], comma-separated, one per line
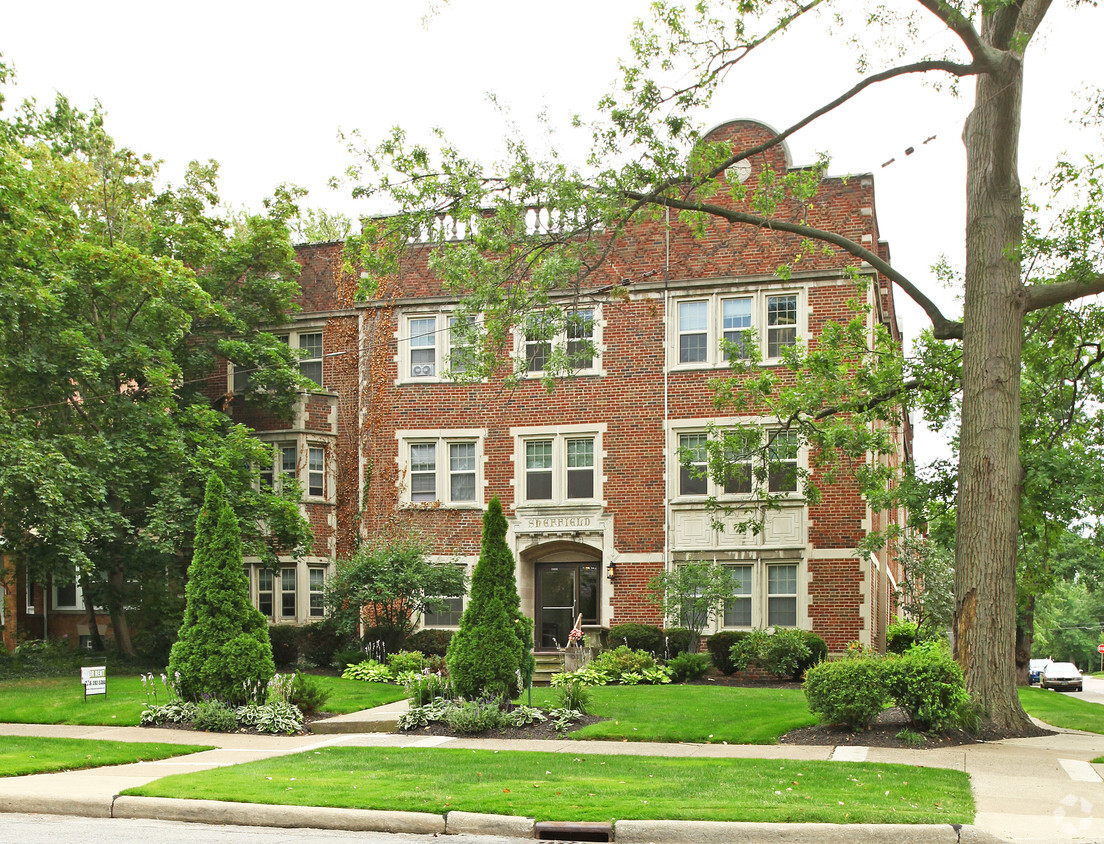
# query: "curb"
[471,823]
[259,814]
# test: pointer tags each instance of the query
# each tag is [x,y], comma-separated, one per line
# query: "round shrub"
[307,693]
[285,644]
[850,692]
[927,683]
[677,640]
[785,653]
[818,650]
[430,641]
[638,637]
[687,666]
[720,645]
[900,636]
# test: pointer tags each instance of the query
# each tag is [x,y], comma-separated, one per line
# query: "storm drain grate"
[573,831]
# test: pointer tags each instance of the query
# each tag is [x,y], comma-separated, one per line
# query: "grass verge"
[60,700]
[21,755]
[690,713]
[1060,710]
[586,787]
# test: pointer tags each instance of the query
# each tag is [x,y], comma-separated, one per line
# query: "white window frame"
[318,611]
[714,488]
[715,330]
[441,442]
[759,597]
[78,593]
[795,596]
[748,596]
[561,341]
[293,339]
[559,436]
[441,347]
[317,473]
[280,578]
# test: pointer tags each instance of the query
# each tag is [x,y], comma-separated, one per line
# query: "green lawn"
[1061,710]
[690,713]
[60,700]
[21,755]
[586,787]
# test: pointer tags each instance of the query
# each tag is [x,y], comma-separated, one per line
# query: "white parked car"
[1035,669]
[1061,675]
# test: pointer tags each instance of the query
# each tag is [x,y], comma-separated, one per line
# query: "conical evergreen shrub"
[495,641]
[223,649]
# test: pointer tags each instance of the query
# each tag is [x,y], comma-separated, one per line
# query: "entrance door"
[564,592]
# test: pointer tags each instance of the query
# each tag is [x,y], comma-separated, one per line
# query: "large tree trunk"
[90,612]
[989,464]
[1025,636]
[117,606]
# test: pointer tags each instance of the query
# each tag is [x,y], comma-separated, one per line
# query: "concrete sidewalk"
[1030,790]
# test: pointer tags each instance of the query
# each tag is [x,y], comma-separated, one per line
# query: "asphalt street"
[66,829]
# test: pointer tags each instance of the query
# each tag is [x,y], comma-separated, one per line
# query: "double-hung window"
[714,330]
[265,591]
[423,347]
[317,591]
[700,473]
[461,350]
[737,609]
[736,328]
[693,328]
[781,323]
[559,468]
[445,613]
[782,460]
[316,471]
[782,596]
[574,344]
[693,464]
[310,360]
[441,468]
[287,593]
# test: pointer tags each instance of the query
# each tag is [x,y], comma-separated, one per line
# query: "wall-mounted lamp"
[611,572]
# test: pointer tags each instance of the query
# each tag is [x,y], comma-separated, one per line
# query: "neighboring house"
[589,475]
[53,610]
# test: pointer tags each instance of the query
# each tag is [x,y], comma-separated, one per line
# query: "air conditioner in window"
[422,370]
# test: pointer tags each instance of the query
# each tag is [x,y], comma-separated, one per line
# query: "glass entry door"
[564,592]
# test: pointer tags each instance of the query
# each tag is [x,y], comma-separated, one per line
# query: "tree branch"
[1039,296]
[943,328]
[1030,18]
[961,26]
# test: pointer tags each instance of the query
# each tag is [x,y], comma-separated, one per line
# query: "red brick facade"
[402,444]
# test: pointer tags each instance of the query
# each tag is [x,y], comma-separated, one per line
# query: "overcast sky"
[264,88]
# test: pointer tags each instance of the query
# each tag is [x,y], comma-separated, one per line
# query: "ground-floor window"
[447,613]
[275,592]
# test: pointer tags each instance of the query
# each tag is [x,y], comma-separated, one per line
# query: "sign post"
[94,677]
[1100,650]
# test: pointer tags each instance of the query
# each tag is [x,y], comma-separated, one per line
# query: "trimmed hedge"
[430,641]
[318,642]
[677,640]
[637,637]
[285,643]
[785,653]
[848,691]
[720,645]
[928,684]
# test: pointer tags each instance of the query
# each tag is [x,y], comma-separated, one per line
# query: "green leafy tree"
[691,595]
[495,641]
[925,592]
[223,649]
[649,159]
[117,300]
[394,579]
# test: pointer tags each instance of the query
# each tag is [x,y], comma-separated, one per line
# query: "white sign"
[559,523]
[94,680]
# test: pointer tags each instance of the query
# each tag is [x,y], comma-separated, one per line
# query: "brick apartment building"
[589,475]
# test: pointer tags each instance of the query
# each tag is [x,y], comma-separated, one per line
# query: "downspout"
[666,369]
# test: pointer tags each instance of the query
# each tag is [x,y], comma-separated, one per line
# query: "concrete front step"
[547,664]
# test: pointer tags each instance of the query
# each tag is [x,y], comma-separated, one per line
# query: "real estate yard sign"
[94,678]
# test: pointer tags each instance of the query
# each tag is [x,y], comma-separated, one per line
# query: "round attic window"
[739,171]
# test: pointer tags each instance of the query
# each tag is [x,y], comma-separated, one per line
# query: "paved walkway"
[1031,790]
